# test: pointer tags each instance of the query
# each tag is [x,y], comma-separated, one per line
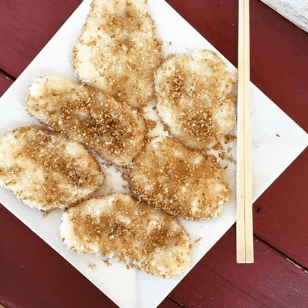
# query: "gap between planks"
[280,252]
[8,77]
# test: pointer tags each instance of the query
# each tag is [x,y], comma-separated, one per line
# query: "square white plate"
[270,156]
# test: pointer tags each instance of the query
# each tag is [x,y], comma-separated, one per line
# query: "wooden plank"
[168,303]
[217,21]
[280,215]
[280,61]
[5,82]
[26,27]
[294,10]
[217,281]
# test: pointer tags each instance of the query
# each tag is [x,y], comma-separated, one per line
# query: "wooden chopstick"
[244,225]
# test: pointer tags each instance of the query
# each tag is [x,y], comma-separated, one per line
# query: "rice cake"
[115,130]
[179,180]
[45,170]
[118,52]
[130,231]
[195,98]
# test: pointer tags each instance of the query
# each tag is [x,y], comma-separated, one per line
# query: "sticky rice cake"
[130,231]
[118,52]
[195,98]
[115,130]
[179,180]
[45,170]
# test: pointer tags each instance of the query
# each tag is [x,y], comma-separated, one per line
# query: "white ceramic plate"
[270,156]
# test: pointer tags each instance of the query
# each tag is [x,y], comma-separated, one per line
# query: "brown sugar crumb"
[230,159]
[218,146]
[92,265]
[222,155]
[198,240]
[108,164]
[108,263]
[46,213]
[166,128]
[229,138]
[151,124]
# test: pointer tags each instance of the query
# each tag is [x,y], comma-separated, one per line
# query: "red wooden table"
[33,275]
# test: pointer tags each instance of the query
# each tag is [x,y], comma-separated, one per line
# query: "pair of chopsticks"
[244,224]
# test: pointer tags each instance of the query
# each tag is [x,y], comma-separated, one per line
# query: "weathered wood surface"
[5,82]
[281,213]
[33,275]
[294,10]
[26,27]
[218,281]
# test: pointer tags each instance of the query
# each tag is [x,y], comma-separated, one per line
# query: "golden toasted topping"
[197,240]
[151,124]
[92,265]
[229,138]
[181,181]
[132,232]
[195,99]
